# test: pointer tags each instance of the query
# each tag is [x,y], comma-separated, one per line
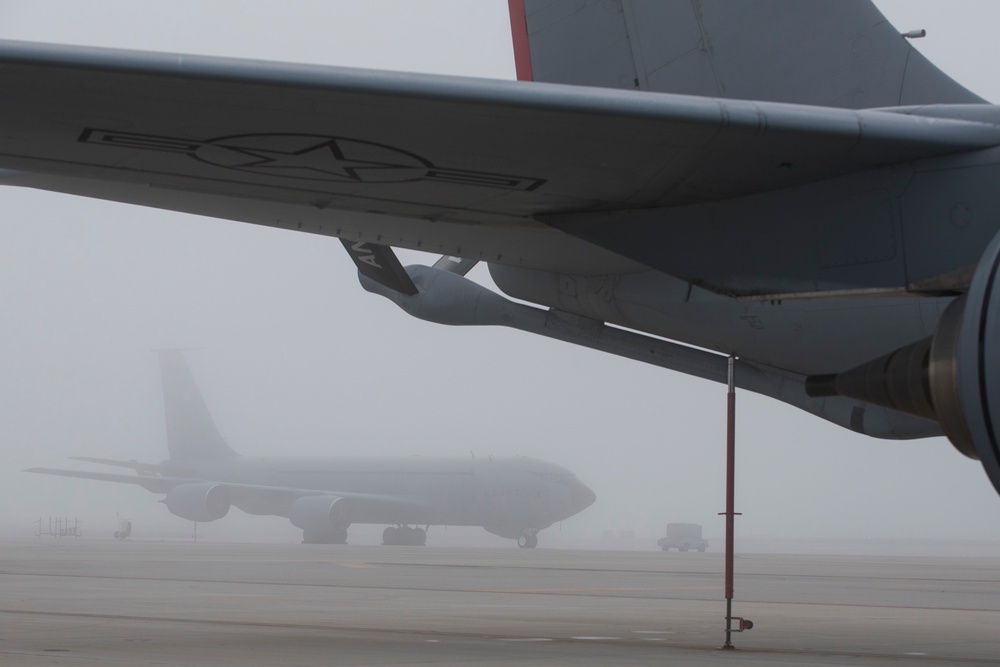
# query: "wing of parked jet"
[151,483]
[248,497]
[139,467]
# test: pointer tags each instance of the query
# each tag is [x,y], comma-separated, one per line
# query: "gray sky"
[296,359]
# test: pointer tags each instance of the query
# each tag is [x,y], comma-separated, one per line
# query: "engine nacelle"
[973,369]
[953,377]
[320,513]
[204,501]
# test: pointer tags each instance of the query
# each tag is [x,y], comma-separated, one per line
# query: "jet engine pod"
[319,513]
[975,368]
[205,501]
[953,377]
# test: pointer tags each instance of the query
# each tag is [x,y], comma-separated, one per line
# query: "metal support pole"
[730,501]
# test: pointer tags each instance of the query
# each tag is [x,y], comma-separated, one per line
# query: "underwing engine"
[952,377]
[319,513]
[203,501]
[323,519]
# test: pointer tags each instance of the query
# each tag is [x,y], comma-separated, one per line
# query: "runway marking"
[525,639]
[598,639]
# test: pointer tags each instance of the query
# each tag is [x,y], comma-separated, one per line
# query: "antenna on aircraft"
[914,34]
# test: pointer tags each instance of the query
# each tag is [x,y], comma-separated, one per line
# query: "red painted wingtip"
[522,47]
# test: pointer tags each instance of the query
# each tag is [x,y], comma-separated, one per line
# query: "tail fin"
[838,54]
[191,432]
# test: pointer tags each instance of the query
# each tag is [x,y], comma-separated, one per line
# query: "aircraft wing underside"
[443,164]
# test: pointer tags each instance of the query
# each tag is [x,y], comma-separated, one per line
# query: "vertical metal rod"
[730,500]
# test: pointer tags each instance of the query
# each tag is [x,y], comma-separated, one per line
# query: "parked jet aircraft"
[786,182]
[204,477]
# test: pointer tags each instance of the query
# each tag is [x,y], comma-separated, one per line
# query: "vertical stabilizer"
[836,53]
[191,431]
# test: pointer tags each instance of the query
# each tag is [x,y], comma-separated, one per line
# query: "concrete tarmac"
[104,602]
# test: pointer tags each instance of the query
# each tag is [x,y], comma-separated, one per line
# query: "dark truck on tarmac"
[683,537]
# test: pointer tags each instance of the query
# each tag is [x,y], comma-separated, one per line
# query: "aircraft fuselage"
[508,497]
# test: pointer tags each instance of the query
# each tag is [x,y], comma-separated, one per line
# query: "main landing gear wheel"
[527,541]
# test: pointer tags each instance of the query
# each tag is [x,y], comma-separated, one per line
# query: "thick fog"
[295,358]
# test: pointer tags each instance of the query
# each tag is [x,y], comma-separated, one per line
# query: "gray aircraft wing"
[444,164]
[242,495]
[149,482]
[137,466]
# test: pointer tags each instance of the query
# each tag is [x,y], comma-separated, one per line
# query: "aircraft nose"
[583,496]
